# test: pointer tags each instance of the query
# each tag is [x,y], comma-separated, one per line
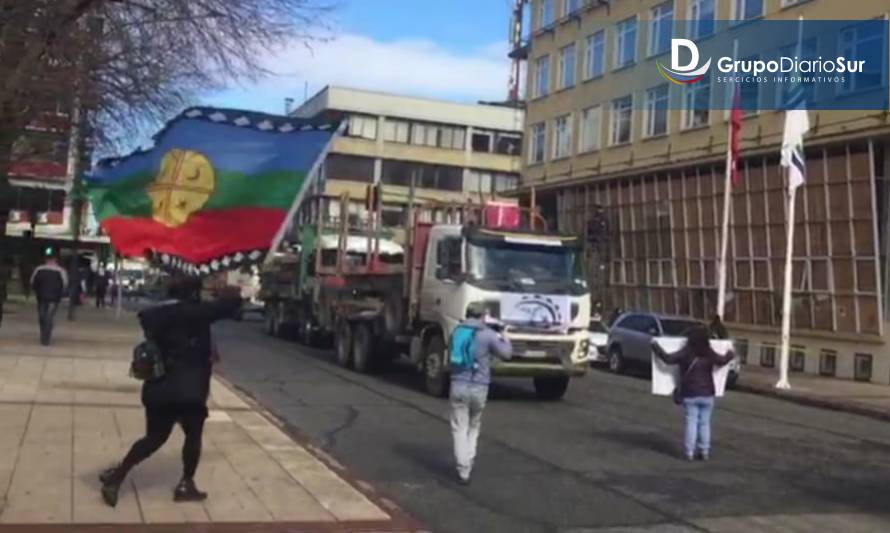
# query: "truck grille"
[542,349]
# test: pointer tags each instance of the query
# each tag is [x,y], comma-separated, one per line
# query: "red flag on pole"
[736,135]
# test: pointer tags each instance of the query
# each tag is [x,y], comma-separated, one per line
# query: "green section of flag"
[231,190]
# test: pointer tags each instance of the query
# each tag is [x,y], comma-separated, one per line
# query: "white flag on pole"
[797,123]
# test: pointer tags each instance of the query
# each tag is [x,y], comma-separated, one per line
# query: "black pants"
[159,422]
[46,314]
[100,297]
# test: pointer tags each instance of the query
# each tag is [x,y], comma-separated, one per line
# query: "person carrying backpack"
[179,329]
[473,344]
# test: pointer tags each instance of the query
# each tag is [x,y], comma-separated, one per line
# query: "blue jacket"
[489,344]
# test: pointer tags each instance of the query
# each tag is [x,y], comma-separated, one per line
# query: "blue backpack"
[463,347]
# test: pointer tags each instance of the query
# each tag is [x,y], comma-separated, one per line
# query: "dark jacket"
[181,331]
[699,380]
[49,282]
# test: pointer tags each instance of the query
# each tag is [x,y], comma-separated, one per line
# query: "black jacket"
[182,332]
[698,380]
[49,283]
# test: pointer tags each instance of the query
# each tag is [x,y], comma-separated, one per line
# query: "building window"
[542,76]
[862,365]
[595,55]
[660,28]
[768,355]
[591,128]
[349,168]
[656,111]
[481,142]
[440,177]
[567,66]
[505,182]
[749,92]
[396,130]
[537,142]
[857,41]
[362,126]
[697,101]
[545,13]
[562,137]
[478,182]
[828,363]
[748,9]
[808,50]
[570,6]
[798,359]
[438,136]
[626,43]
[701,18]
[507,143]
[621,120]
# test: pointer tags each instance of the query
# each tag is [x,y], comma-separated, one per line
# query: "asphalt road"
[607,458]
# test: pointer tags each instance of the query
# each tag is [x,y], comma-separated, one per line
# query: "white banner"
[536,309]
[665,377]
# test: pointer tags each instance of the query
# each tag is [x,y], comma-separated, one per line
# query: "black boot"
[186,491]
[112,479]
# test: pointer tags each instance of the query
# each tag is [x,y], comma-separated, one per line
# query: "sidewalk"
[866,399]
[69,410]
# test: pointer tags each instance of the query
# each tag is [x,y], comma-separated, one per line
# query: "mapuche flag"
[213,192]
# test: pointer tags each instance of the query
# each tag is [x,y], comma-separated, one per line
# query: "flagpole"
[786,293]
[785,350]
[727,204]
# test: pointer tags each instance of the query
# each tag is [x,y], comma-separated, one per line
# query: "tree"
[129,64]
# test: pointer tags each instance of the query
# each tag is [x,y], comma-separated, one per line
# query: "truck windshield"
[525,267]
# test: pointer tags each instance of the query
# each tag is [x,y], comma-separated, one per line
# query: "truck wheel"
[551,388]
[616,360]
[436,377]
[362,347]
[343,339]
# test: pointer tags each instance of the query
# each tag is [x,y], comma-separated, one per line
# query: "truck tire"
[434,372]
[343,341]
[362,347]
[551,388]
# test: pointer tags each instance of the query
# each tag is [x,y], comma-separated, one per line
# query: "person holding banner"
[697,361]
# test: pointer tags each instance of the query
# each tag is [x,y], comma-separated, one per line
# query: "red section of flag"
[735,135]
[204,236]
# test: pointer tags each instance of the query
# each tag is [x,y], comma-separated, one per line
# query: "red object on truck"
[502,215]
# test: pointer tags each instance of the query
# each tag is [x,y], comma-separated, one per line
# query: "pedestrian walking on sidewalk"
[469,388]
[102,281]
[49,282]
[180,328]
[75,288]
[696,389]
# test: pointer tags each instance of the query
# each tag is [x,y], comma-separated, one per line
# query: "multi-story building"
[453,152]
[645,182]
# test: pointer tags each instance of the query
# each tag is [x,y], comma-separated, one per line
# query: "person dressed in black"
[102,281]
[49,282]
[75,286]
[180,328]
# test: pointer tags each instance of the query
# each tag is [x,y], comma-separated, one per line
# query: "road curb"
[810,401]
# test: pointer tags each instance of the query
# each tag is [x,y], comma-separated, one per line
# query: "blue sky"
[452,49]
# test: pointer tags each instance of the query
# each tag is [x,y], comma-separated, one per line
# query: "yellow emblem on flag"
[182,187]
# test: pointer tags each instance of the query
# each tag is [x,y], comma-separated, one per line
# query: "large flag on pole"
[214,192]
[797,124]
[735,134]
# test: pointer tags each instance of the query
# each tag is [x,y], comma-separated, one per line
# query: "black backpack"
[147,363]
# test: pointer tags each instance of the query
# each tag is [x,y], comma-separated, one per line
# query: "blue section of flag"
[260,144]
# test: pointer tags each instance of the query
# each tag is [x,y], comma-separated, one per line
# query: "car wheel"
[436,377]
[731,380]
[362,347]
[616,360]
[343,339]
[551,388]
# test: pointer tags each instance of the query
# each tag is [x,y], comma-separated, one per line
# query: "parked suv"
[630,339]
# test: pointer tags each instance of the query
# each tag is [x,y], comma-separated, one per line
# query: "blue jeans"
[698,425]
